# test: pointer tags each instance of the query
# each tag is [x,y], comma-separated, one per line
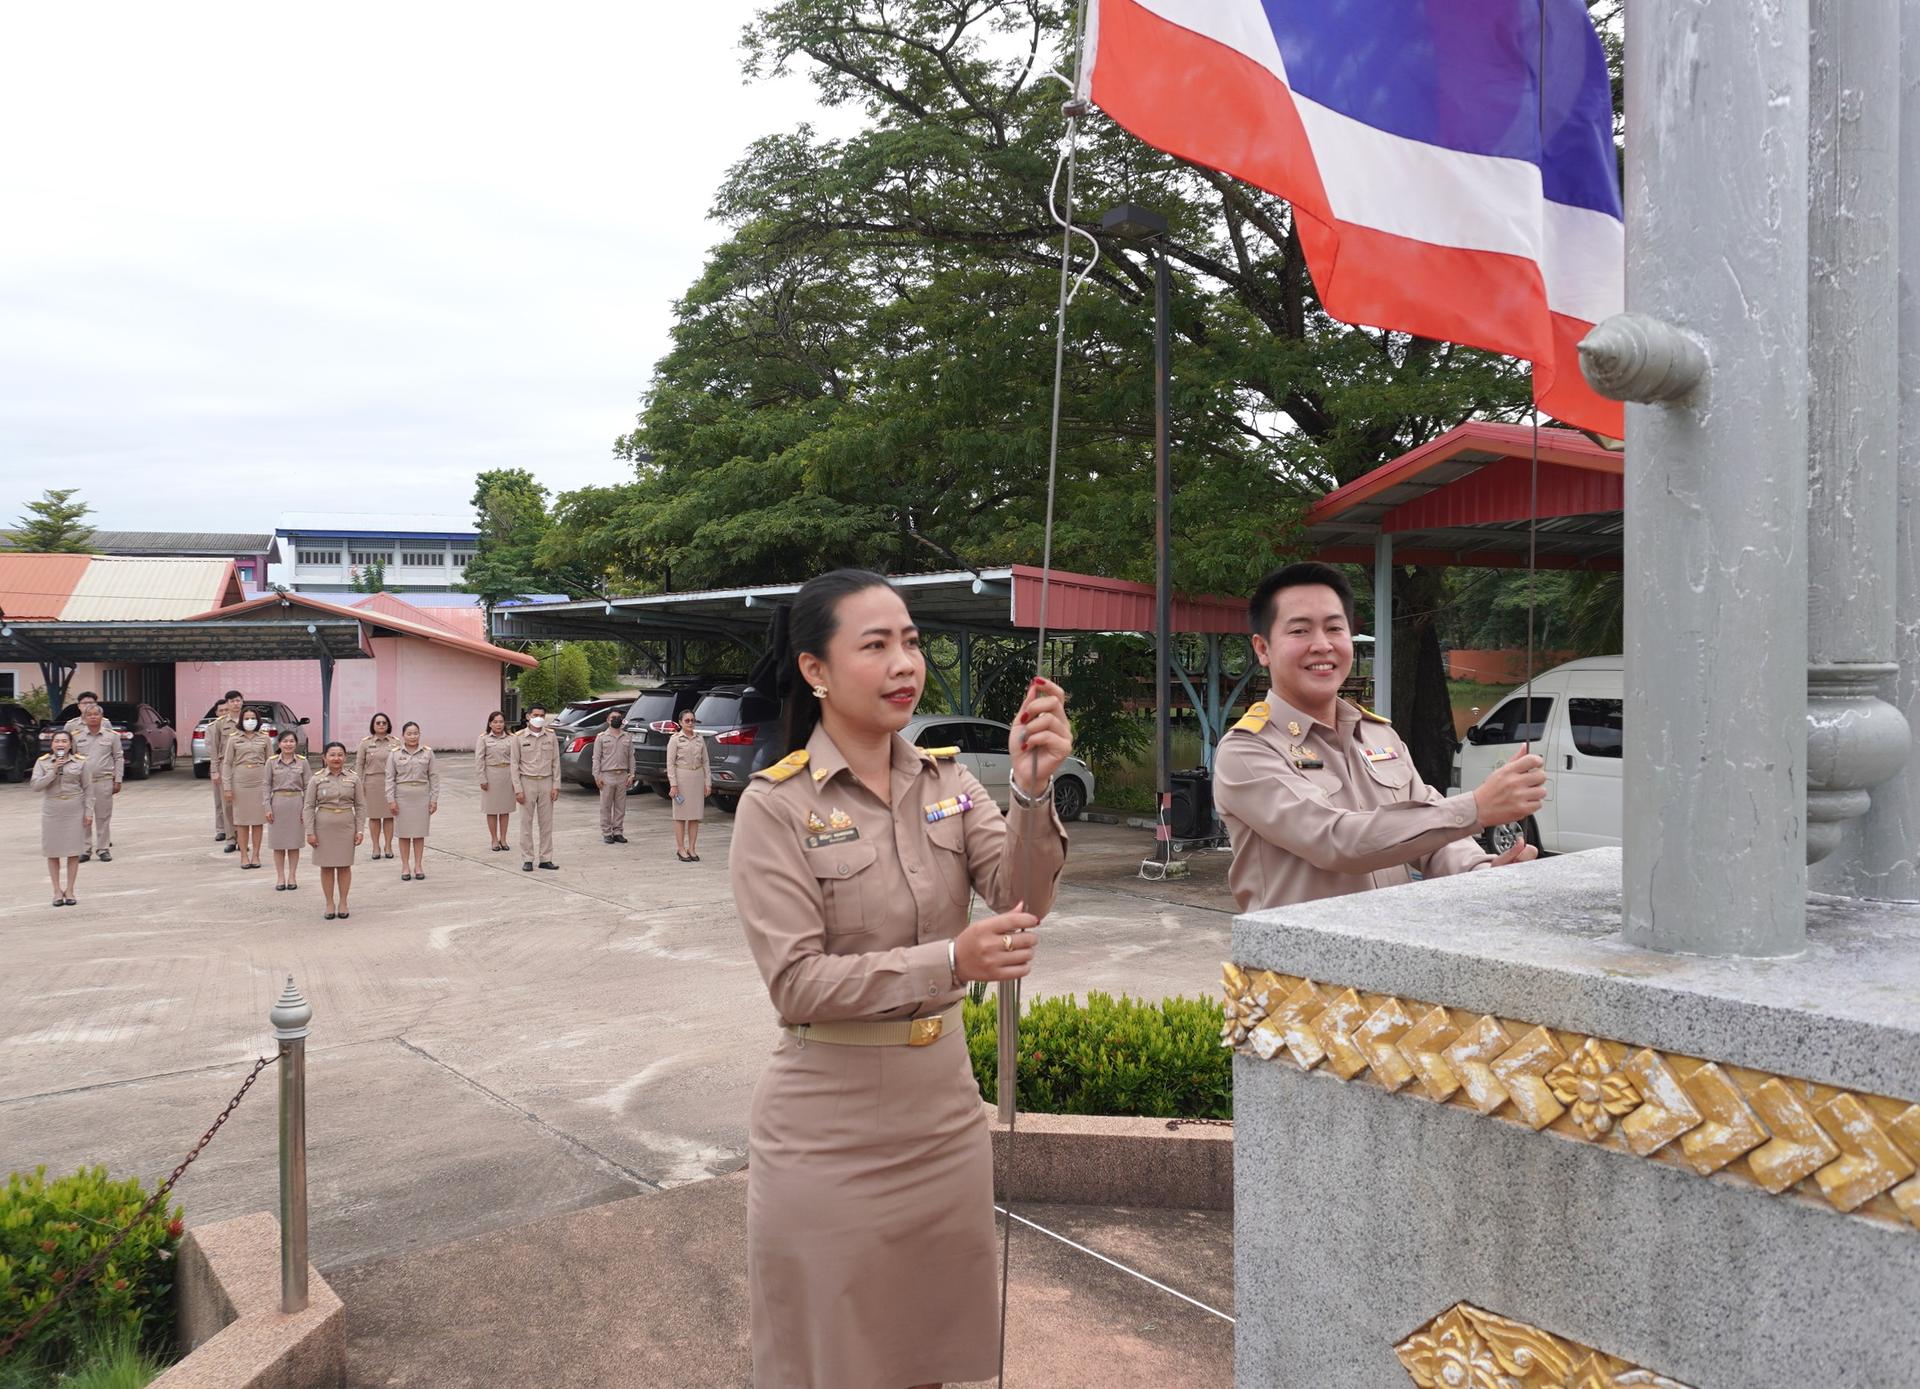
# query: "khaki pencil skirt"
[286,831]
[870,1237]
[333,827]
[412,821]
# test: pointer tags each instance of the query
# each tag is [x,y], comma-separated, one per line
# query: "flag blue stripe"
[1461,74]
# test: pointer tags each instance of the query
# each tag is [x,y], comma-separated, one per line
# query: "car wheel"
[140,765]
[729,804]
[1069,798]
[1501,838]
[203,770]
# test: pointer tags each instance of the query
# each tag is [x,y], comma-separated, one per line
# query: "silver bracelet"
[1021,798]
[953,965]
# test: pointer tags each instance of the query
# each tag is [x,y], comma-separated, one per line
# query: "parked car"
[655,715]
[576,743]
[580,710]
[274,718]
[147,737]
[19,742]
[1576,724]
[742,727]
[983,751]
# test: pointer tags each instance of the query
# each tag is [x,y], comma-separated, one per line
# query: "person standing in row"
[413,799]
[536,786]
[370,766]
[286,798]
[689,783]
[97,742]
[870,1235]
[225,720]
[66,784]
[335,817]
[613,774]
[493,759]
[243,768]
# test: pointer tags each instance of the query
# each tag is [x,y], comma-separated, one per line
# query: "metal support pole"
[290,1017]
[1716,499]
[965,641]
[1855,739]
[1383,625]
[1163,556]
[1215,715]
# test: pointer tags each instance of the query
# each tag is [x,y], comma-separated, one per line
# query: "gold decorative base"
[1852,1152]
[1467,1348]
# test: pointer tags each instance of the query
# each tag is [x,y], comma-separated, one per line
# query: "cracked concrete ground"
[489,1047]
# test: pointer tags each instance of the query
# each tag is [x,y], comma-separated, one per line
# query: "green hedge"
[1110,1056]
[50,1230]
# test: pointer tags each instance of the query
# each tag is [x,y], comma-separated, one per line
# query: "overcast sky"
[261,258]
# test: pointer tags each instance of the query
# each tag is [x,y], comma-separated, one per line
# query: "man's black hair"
[1260,606]
[86,695]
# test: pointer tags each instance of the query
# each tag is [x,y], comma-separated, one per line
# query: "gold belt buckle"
[924,1031]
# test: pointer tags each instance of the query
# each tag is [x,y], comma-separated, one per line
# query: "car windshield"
[658,704]
[731,708]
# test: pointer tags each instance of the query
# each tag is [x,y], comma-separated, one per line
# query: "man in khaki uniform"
[225,721]
[1319,796]
[96,741]
[535,772]
[613,774]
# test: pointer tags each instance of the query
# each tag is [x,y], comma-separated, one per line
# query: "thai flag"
[1434,191]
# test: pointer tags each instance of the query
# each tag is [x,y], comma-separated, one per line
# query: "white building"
[324,551]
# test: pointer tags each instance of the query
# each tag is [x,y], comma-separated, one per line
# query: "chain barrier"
[93,1266]
[1203,1123]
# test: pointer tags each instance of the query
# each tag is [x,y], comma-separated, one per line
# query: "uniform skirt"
[414,797]
[496,797]
[870,1236]
[63,831]
[334,830]
[286,831]
[246,787]
[692,804]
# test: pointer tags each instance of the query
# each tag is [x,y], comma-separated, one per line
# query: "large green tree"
[56,524]
[863,373]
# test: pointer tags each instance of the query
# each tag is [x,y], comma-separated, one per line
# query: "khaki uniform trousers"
[539,807]
[220,825]
[613,802]
[101,835]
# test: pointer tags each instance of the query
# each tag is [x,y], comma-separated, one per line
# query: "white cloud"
[261,259]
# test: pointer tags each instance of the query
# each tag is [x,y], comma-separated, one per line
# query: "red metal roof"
[38,586]
[1088,603]
[382,618]
[1468,498]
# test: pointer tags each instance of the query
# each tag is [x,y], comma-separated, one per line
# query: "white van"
[1575,725]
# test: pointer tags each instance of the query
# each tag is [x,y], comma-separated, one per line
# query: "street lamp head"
[1133,222]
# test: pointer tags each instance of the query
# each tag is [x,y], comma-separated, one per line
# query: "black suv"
[653,717]
[19,742]
[742,729]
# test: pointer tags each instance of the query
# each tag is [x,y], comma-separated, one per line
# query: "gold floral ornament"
[1467,1348]
[1588,1084]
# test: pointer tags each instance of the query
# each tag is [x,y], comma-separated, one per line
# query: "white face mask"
[249,723]
[536,722]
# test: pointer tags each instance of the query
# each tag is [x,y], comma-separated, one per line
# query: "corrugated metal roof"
[38,586]
[323,523]
[380,616]
[119,589]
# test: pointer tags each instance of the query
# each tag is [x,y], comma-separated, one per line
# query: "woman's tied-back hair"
[804,627]
[336,743]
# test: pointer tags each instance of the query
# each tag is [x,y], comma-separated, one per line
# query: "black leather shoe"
[619,839]
[604,839]
[544,863]
[106,856]
[526,868]
[232,847]
[220,836]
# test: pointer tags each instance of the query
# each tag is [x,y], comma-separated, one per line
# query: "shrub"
[48,1233]
[572,674]
[1120,1056]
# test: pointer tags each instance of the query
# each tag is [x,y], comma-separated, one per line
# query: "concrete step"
[652,1290]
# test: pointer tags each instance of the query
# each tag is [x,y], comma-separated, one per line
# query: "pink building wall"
[448,693]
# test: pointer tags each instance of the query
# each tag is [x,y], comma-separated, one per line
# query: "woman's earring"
[819,691]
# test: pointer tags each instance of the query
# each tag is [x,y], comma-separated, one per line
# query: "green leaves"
[55,524]
[1119,1056]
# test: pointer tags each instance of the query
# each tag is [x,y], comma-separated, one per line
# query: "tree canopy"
[56,524]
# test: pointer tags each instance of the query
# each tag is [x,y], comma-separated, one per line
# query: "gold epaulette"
[787,766]
[1367,713]
[1255,720]
[939,754]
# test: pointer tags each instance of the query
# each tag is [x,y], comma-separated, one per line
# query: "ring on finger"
[1006,942]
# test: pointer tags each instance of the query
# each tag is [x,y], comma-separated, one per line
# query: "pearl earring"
[819,691]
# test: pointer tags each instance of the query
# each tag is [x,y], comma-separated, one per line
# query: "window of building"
[1597,726]
[423,559]
[382,557]
[319,556]
[245,572]
[460,558]
[113,684]
[9,686]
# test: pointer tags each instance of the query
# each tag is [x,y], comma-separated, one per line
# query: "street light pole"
[1150,228]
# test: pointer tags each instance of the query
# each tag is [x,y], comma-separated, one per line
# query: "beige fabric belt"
[335,809]
[287,791]
[912,1032]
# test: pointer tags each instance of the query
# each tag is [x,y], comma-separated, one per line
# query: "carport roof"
[298,638]
[992,602]
[1466,498]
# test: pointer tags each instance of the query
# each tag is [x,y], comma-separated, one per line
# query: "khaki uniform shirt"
[613,753]
[848,902]
[102,750]
[416,768]
[534,754]
[334,795]
[285,788]
[1317,812]
[493,755]
[686,757]
[218,732]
